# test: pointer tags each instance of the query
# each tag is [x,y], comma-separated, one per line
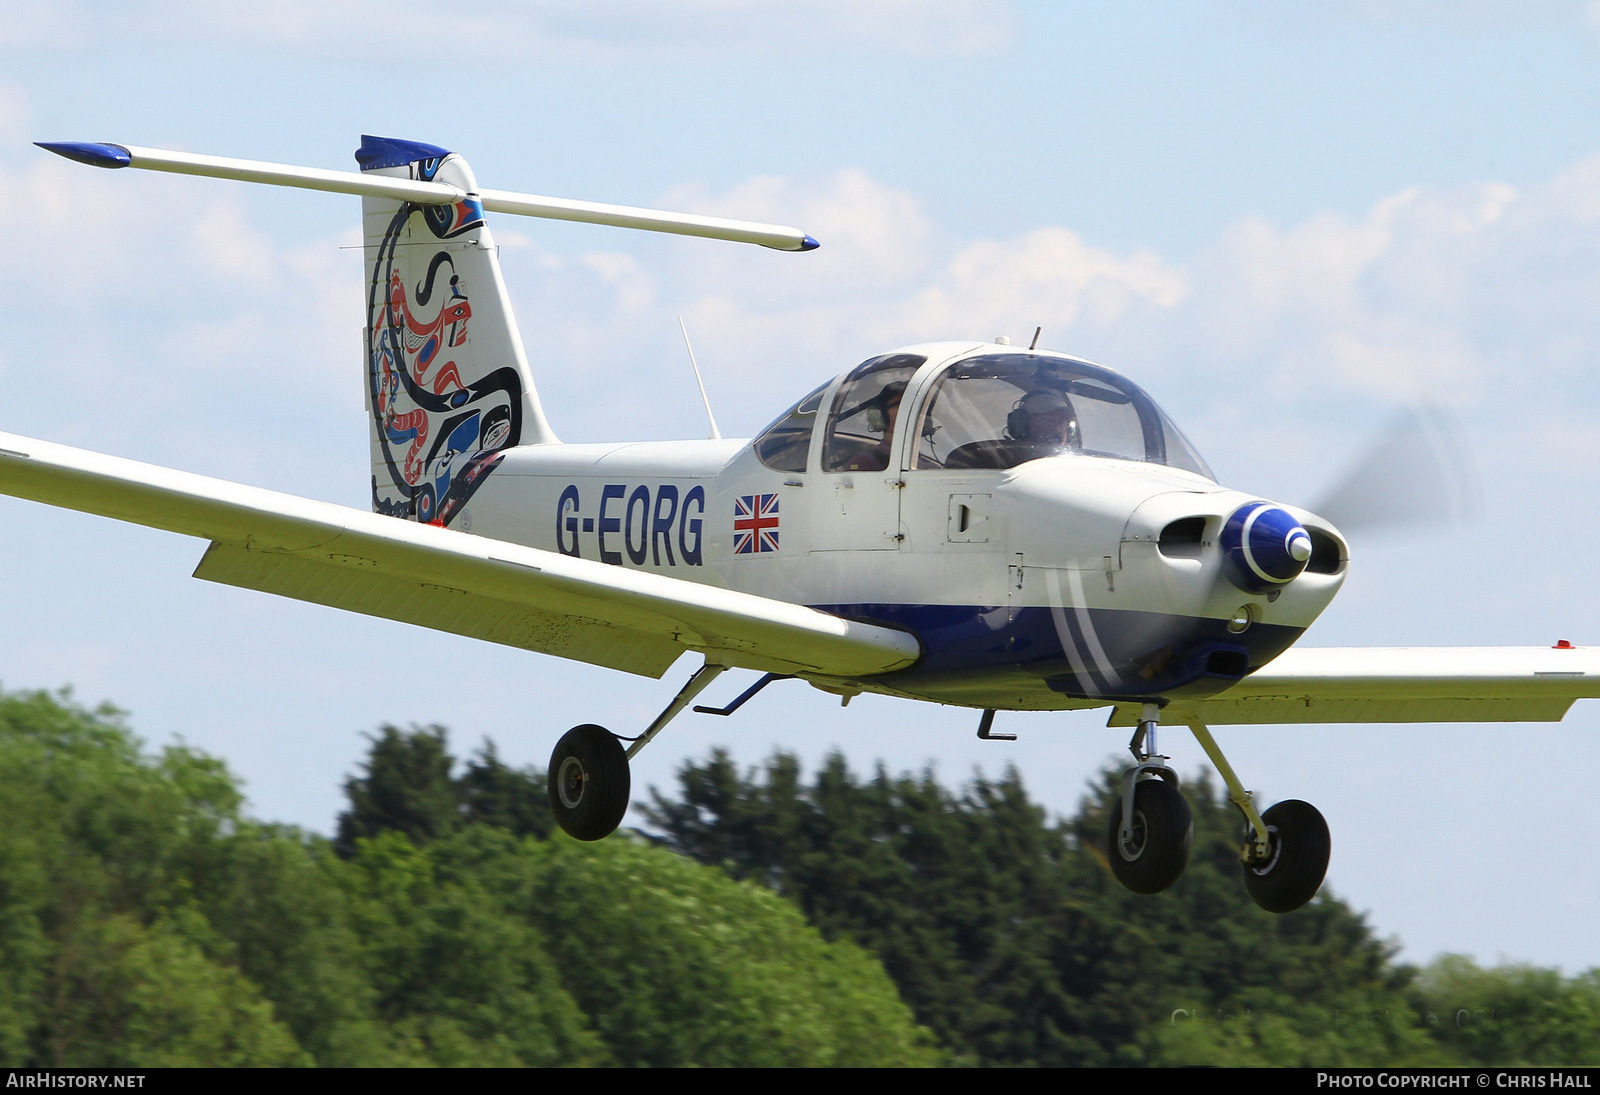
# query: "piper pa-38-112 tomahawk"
[959,522]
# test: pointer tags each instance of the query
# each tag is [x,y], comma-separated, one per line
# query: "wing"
[451,581]
[1400,684]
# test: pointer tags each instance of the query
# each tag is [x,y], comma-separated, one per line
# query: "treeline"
[1009,938]
[769,919]
[144,921]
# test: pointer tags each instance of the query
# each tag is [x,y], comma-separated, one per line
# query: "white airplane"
[964,523]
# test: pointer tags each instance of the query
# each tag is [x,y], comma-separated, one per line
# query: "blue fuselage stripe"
[1134,654]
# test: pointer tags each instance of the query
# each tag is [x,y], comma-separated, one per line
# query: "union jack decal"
[755,524]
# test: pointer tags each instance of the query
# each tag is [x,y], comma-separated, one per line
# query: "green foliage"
[686,967]
[145,922]
[1009,938]
[409,788]
[1261,1030]
[1512,1016]
[104,958]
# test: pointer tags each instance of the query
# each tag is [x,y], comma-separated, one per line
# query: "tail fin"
[448,386]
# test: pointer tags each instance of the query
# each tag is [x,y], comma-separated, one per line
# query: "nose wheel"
[1152,853]
[1150,829]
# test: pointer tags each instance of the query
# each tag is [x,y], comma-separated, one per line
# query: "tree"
[409,787]
[145,921]
[514,799]
[1003,930]
[1513,1016]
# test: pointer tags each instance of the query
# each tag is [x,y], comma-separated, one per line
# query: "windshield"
[1001,410]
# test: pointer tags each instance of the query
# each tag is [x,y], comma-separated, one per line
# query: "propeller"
[1417,471]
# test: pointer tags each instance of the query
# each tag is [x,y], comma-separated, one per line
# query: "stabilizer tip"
[89,152]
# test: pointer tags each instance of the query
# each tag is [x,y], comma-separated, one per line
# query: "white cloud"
[1471,14]
[1450,294]
[15,114]
[500,30]
[152,317]
[164,300]
[1048,275]
[26,25]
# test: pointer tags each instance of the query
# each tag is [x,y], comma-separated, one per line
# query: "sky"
[1289,223]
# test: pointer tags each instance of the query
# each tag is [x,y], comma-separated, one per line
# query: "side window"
[861,426]
[783,445]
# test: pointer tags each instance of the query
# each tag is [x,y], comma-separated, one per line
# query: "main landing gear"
[1285,853]
[589,782]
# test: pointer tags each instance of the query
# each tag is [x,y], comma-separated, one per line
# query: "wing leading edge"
[1399,684]
[451,581]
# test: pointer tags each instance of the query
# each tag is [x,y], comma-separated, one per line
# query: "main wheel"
[1162,832]
[589,782]
[1297,858]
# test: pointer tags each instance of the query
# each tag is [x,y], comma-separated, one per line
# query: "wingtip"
[95,154]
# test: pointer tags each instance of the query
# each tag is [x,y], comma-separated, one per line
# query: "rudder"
[448,384]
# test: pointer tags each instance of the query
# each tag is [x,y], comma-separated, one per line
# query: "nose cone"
[1263,546]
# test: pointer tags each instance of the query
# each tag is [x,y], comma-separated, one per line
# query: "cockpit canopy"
[994,411]
[1001,410]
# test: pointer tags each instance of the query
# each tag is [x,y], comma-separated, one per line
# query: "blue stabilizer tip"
[379,152]
[809,244]
[95,155]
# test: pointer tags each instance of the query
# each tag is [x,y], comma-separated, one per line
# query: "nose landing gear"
[1285,853]
[1150,829]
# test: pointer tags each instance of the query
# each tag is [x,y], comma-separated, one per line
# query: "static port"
[1327,554]
[1182,539]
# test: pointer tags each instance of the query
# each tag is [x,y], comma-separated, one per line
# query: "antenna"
[716,434]
[1037,331]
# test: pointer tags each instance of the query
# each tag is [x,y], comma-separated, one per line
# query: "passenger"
[876,458]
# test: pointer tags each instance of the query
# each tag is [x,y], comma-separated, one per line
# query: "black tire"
[1298,861]
[589,782]
[1162,834]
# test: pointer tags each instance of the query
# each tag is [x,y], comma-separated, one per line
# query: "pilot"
[1045,422]
[887,409]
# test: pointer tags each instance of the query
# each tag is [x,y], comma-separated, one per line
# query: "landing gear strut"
[1150,828]
[1286,849]
[589,782]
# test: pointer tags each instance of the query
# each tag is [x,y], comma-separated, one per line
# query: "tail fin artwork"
[448,386]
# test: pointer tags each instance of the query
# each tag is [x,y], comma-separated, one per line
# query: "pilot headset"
[1019,423]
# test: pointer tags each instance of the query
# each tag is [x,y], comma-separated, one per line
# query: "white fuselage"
[1043,586]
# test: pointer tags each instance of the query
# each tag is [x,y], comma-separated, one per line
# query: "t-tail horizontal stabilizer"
[101,154]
